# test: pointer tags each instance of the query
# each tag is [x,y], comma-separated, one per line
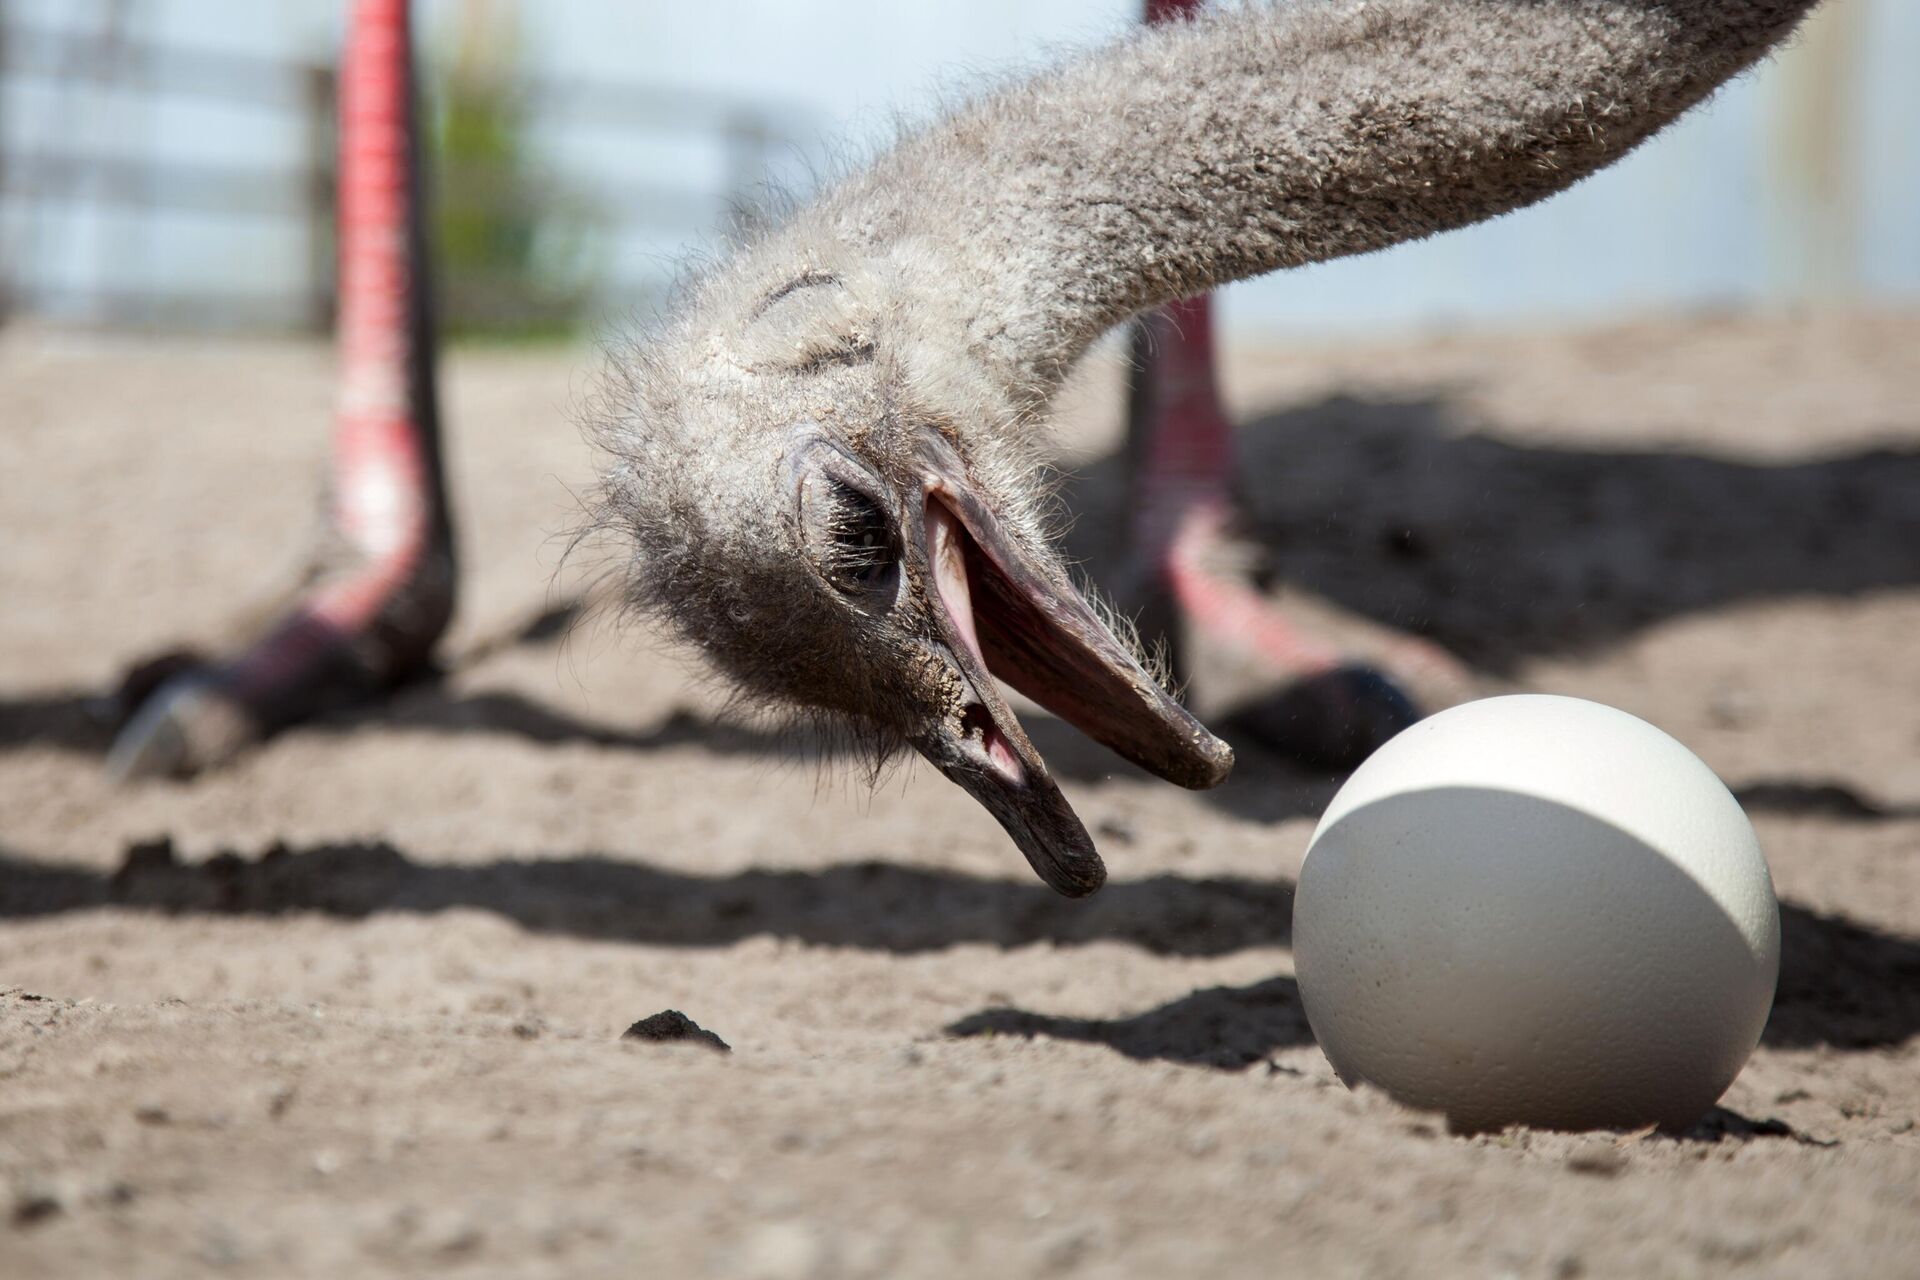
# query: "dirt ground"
[353,1006]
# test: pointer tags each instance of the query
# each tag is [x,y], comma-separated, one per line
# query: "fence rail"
[45,180]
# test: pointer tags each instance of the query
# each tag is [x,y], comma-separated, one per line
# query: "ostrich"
[826,459]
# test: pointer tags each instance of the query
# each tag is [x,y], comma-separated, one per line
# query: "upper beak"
[1003,612]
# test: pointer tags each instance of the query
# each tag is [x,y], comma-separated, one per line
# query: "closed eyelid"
[805,280]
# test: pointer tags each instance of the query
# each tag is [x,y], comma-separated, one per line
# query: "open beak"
[1003,613]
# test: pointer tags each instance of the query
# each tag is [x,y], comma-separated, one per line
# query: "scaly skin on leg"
[384,590]
[1335,710]
[1336,707]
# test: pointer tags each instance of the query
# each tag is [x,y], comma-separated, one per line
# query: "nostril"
[976,722]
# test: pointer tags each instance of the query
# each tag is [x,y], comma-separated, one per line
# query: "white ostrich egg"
[1537,910]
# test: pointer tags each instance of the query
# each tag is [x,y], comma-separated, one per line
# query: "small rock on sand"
[670,1025]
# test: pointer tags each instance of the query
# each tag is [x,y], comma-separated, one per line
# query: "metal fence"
[47,181]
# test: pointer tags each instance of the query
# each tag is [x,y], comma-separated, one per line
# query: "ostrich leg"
[383,590]
[1334,710]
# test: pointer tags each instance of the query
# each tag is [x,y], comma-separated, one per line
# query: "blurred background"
[168,164]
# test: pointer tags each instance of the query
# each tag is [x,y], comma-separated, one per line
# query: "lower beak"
[1006,612]
[979,743]
[1024,799]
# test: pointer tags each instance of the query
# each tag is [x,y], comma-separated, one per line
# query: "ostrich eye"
[862,558]
[850,540]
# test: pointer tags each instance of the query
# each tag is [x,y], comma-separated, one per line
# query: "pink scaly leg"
[385,591]
[1334,711]
[1182,502]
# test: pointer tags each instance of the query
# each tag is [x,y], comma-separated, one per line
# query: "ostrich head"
[846,517]
[824,461]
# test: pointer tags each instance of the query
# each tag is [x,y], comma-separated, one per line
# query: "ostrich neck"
[1196,154]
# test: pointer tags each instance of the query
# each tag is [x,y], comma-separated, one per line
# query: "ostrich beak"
[1003,613]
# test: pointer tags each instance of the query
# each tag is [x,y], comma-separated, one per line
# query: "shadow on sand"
[870,905]
[1502,551]
[1225,1027]
[1842,984]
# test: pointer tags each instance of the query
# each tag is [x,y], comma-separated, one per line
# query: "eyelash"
[863,545]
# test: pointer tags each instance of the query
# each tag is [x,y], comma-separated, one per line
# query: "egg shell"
[1542,910]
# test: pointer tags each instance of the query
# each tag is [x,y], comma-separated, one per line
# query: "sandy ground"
[353,1007]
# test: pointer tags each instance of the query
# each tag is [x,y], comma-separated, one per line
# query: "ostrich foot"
[1329,721]
[349,640]
[1336,702]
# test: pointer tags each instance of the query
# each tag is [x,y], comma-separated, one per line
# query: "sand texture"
[355,1005]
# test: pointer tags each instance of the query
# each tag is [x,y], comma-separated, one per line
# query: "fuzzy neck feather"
[1191,155]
